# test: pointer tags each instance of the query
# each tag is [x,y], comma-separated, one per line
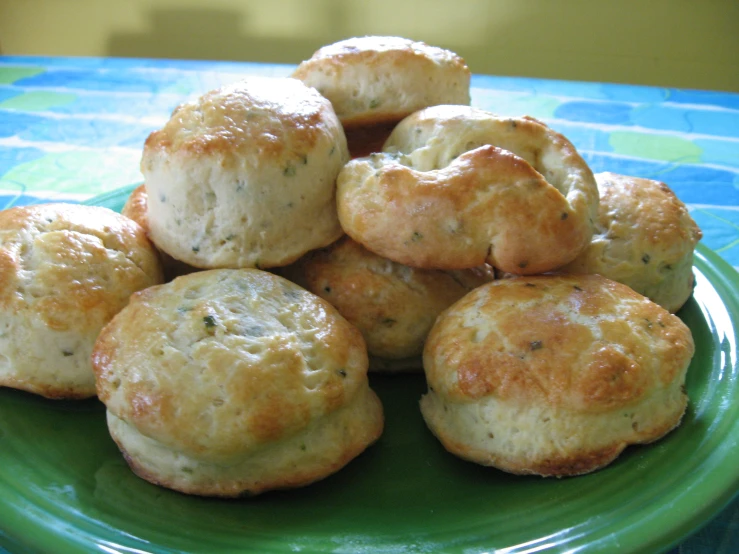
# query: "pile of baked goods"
[537,298]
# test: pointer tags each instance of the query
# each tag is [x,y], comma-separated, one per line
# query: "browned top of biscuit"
[648,211]
[218,362]
[579,342]
[649,208]
[376,79]
[262,118]
[389,49]
[458,187]
[644,238]
[73,266]
[394,306]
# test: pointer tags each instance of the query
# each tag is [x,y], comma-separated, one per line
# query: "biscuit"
[235,381]
[375,81]
[66,271]
[245,176]
[457,187]
[394,306]
[554,375]
[135,208]
[644,238]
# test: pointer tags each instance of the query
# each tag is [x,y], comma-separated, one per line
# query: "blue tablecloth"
[72,128]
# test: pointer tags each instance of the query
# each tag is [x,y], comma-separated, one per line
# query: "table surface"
[72,128]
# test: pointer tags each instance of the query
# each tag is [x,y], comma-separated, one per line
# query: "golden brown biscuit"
[645,238]
[394,306]
[375,81]
[245,176]
[66,271]
[458,187]
[554,375]
[135,208]
[230,382]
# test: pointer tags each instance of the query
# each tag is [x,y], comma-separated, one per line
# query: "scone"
[245,176]
[554,375]
[645,238]
[235,381]
[456,187]
[394,306]
[65,270]
[135,208]
[375,81]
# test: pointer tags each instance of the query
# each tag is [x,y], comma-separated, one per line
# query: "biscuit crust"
[379,79]
[394,306]
[66,271]
[135,208]
[458,187]
[645,238]
[229,382]
[554,375]
[245,176]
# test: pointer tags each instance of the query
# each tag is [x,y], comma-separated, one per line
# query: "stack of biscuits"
[360,216]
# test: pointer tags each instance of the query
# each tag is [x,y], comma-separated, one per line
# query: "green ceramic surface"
[64,487]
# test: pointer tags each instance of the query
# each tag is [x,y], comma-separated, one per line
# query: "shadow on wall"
[211,34]
[219,34]
[498,38]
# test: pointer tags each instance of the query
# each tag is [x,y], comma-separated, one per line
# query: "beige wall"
[682,43]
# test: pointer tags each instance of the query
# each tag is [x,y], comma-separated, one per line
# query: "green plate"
[64,487]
